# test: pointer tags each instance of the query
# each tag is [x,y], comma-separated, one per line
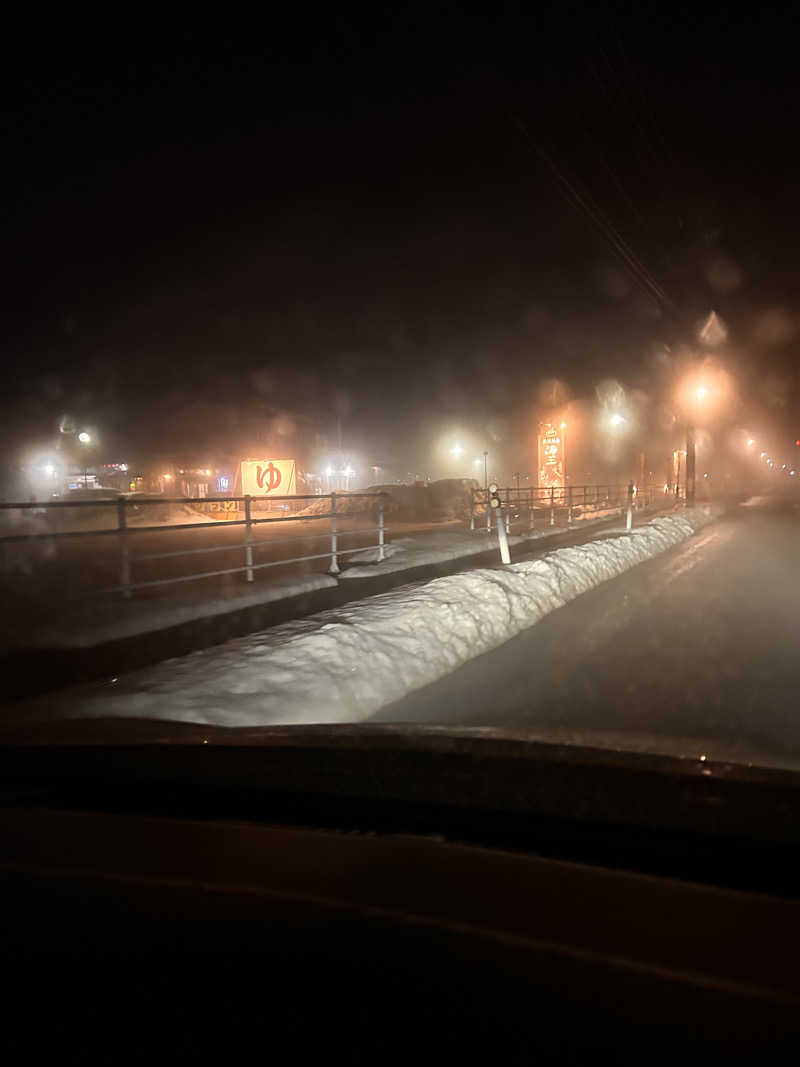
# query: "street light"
[563,451]
[456,450]
[85,439]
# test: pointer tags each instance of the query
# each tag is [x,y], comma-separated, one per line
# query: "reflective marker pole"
[334,567]
[502,537]
[472,510]
[381,530]
[552,505]
[248,536]
[629,522]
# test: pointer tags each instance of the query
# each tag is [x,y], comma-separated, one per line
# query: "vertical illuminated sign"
[551,455]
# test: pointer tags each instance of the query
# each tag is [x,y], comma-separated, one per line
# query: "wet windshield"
[389,372]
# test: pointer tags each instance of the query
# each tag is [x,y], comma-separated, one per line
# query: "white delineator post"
[381,529]
[629,520]
[248,536]
[494,504]
[334,567]
[502,537]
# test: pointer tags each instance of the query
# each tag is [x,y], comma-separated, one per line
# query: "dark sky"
[305,215]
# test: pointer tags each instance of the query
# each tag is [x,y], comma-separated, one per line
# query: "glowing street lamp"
[616,419]
[456,450]
[85,439]
[563,452]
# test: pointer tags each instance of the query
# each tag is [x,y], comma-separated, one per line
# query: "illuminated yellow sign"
[551,455]
[268,477]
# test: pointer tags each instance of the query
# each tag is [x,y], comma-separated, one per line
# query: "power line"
[583,201]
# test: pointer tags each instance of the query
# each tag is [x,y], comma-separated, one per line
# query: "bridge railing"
[125,518]
[528,508]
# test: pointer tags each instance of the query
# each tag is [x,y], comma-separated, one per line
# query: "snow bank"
[440,546]
[343,665]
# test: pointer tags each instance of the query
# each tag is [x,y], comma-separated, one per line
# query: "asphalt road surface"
[697,651]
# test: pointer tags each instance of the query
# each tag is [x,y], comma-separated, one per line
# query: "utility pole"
[690,465]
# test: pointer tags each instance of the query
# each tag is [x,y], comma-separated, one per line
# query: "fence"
[61,525]
[530,508]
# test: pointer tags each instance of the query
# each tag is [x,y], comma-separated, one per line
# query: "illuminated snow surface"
[343,665]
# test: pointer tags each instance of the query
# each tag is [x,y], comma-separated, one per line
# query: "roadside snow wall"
[343,665]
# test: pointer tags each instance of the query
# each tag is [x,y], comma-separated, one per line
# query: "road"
[697,651]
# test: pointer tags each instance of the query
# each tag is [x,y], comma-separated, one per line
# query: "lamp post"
[564,451]
[700,393]
[85,439]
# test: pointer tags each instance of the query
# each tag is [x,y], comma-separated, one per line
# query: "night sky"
[356,215]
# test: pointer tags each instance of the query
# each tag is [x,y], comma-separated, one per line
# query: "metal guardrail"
[522,506]
[122,506]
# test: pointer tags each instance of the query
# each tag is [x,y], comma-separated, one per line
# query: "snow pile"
[343,665]
[439,501]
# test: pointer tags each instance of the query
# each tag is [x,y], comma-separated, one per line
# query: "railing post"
[569,506]
[552,505]
[381,529]
[124,548]
[629,522]
[472,509]
[248,536]
[334,567]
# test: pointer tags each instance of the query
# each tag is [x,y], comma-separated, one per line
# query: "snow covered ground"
[345,664]
[438,546]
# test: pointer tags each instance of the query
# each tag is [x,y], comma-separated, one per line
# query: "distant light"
[797,442]
[783,468]
[84,437]
[348,472]
[701,392]
[49,470]
[616,419]
[456,450]
[123,466]
[793,472]
[478,462]
[167,477]
[763,454]
[705,475]
[750,442]
[328,471]
[207,472]
[563,426]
